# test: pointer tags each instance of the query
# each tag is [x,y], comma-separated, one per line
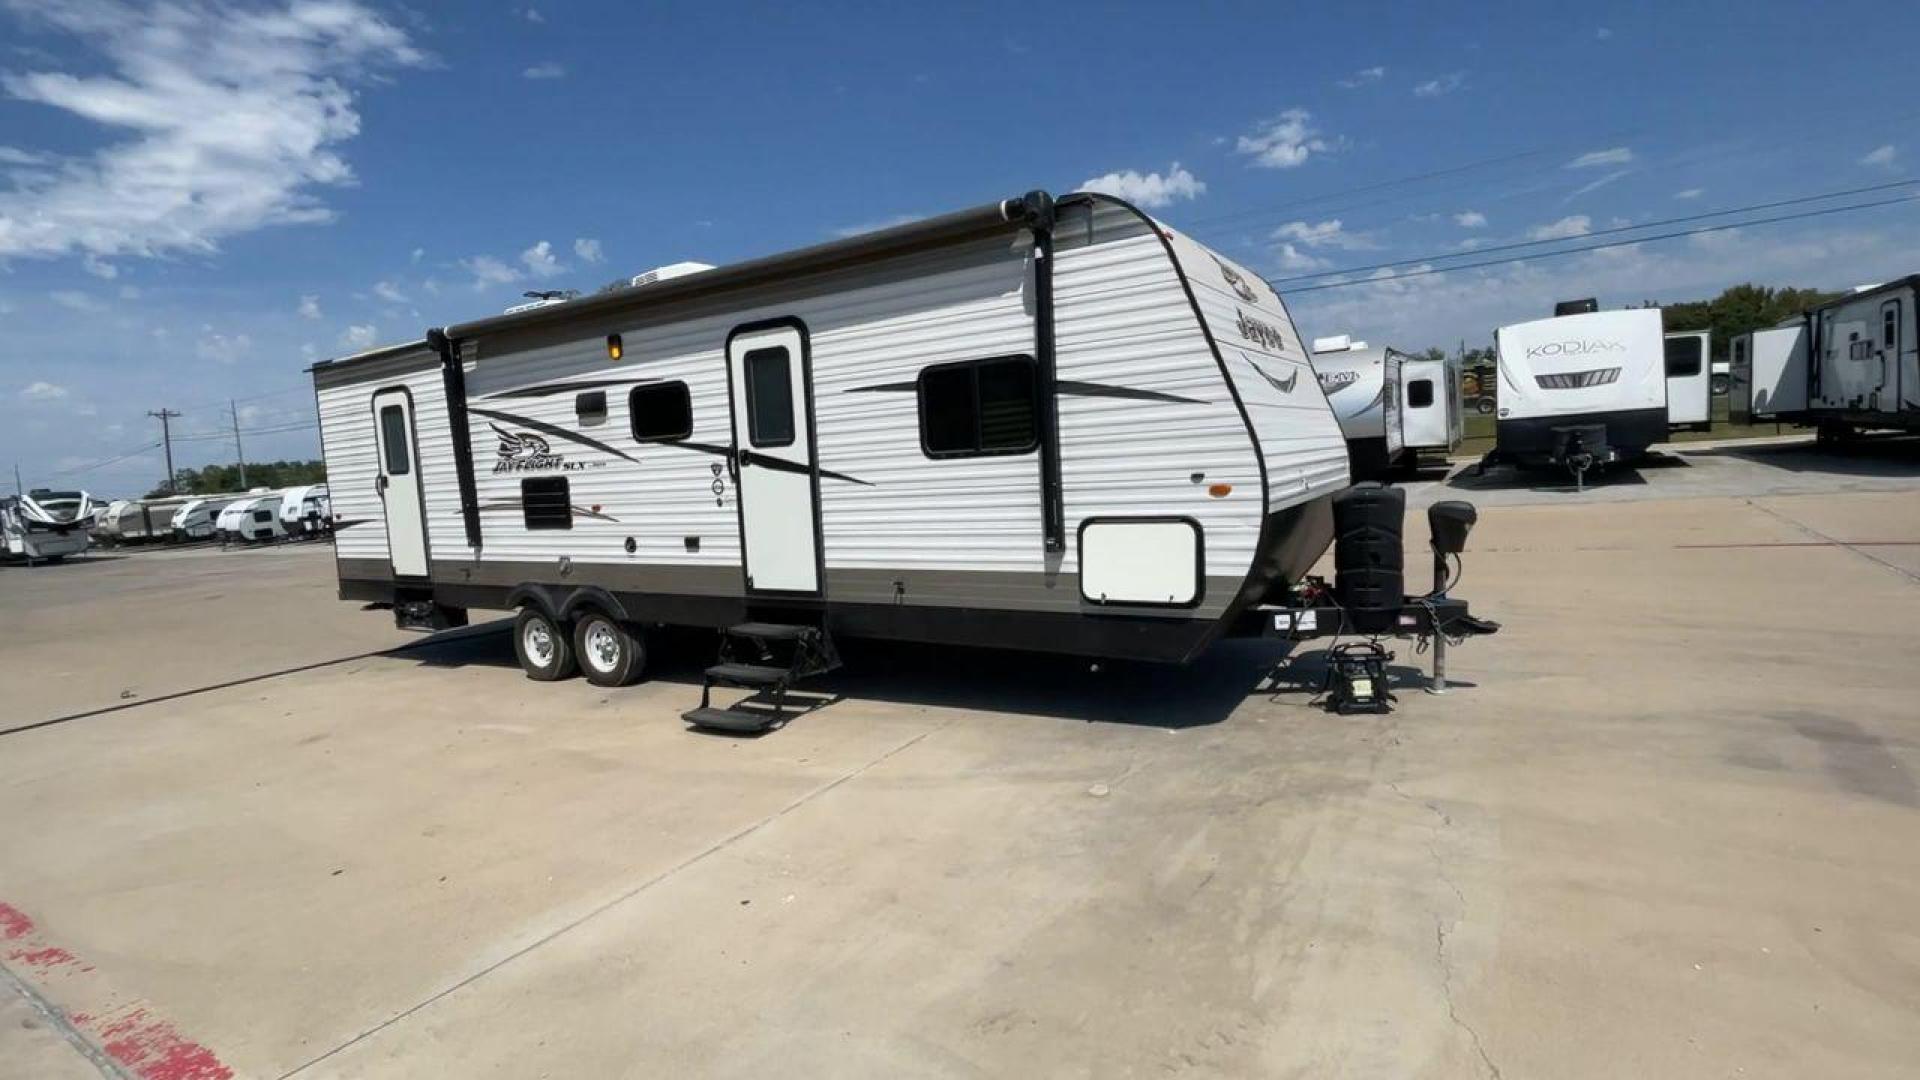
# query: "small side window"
[980,407]
[263,515]
[393,440]
[547,502]
[591,407]
[1890,326]
[661,412]
[1420,393]
[769,397]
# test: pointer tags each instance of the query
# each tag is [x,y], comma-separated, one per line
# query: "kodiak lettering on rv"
[1260,333]
[1574,348]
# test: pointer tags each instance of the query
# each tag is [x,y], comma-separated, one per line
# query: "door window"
[1683,357]
[1420,393]
[770,397]
[1890,326]
[393,439]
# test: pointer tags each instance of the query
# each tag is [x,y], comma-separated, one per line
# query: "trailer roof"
[378,352]
[882,243]
[1911,281]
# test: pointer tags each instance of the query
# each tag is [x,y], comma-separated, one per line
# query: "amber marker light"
[1220,491]
[614,350]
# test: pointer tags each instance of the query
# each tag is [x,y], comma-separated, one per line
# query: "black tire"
[610,654]
[1720,384]
[1483,406]
[554,641]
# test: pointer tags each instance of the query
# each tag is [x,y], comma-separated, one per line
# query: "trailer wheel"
[1484,406]
[543,647]
[610,654]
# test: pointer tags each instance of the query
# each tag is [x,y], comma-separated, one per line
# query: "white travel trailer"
[1051,425]
[305,510]
[1689,381]
[1432,411]
[250,519]
[46,526]
[1580,390]
[1768,371]
[1362,385]
[139,520]
[196,518]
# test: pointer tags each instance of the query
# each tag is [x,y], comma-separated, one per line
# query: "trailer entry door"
[398,482]
[769,376]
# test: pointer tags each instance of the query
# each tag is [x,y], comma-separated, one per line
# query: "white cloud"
[1470,219]
[43,391]
[388,291]
[1566,228]
[75,300]
[1603,33]
[418,254]
[1323,234]
[309,307]
[222,348]
[359,338]
[1363,77]
[1594,185]
[587,250]
[13,155]
[1881,156]
[129,292]
[99,267]
[1690,193]
[532,15]
[487,270]
[550,69]
[1445,84]
[1285,142]
[540,262]
[1150,190]
[1617,155]
[217,121]
[1290,257]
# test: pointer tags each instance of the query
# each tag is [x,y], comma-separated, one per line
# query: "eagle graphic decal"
[517,446]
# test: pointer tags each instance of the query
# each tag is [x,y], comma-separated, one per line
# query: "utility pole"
[166,438]
[17,489]
[237,449]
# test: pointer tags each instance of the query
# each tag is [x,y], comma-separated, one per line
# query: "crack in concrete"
[1442,958]
[1841,544]
[56,1018]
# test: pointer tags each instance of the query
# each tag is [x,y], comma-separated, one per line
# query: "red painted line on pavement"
[147,1045]
[1804,543]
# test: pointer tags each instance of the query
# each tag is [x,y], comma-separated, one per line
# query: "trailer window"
[1890,326]
[547,501]
[661,412]
[591,407]
[263,515]
[393,439]
[1419,393]
[769,397]
[980,407]
[1683,357]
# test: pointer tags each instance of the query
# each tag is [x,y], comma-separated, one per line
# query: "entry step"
[749,674]
[766,631]
[730,719]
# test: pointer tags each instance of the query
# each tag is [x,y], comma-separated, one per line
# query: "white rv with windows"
[196,519]
[46,526]
[305,511]
[251,519]
[1689,381]
[1580,390]
[1847,366]
[1432,410]
[1051,425]
[1362,385]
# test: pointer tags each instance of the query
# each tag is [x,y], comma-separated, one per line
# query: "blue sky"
[199,200]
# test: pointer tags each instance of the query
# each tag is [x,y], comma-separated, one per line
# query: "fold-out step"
[767,631]
[729,719]
[749,674]
[767,657]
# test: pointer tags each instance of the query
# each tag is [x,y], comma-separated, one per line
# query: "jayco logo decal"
[1260,333]
[523,451]
[1285,385]
[1333,382]
[1574,348]
[1237,283]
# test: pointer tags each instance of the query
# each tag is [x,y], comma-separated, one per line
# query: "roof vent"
[1337,343]
[668,272]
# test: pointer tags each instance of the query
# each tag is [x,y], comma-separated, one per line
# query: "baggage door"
[769,374]
[398,482]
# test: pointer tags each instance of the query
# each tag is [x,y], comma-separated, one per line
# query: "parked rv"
[196,518]
[138,521]
[1848,366]
[1050,425]
[1432,407]
[1769,374]
[1689,381]
[1362,385]
[45,526]
[305,511]
[251,519]
[1580,390]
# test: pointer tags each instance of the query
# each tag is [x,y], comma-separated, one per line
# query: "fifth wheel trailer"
[1580,390]
[1059,426]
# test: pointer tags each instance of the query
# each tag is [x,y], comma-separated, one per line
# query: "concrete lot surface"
[1666,826]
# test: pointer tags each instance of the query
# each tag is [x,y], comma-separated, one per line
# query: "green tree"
[216,479]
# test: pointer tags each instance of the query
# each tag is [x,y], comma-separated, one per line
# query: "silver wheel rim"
[603,647]
[537,639]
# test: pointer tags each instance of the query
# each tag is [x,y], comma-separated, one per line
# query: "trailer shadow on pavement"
[1889,457]
[1517,478]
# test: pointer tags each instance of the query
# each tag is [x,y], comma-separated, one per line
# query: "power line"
[1609,244]
[104,462]
[1600,232]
